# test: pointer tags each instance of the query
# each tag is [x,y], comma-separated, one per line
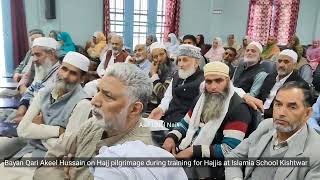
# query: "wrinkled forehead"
[112,85]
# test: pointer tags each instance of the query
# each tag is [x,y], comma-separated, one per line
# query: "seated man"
[213,127]
[183,88]
[117,108]
[249,75]
[133,149]
[162,71]
[22,68]
[50,112]
[240,53]
[285,136]
[110,57]
[51,109]
[117,54]
[46,68]
[190,39]
[140,58]
[229,57]
[285,73]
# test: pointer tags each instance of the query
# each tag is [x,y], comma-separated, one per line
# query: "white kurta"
[136,149]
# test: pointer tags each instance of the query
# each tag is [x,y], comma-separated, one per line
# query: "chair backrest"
[269,66]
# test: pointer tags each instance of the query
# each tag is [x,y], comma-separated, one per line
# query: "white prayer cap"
[189,50]
[258,45]
[157,45]
[290,53]
[45,42]
[78,60]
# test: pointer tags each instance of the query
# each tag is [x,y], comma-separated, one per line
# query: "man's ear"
[136,108]
[308,113]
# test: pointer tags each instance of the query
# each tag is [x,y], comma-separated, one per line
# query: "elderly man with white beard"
[249,75]
[110,57]
[183,89]
[140,58]
[115,55]
[46,65]
[217,123]
[50,112]
[123,94]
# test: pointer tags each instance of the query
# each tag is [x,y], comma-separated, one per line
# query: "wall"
[82,17]
[197,17]
[7,37]
[193,17]
[234,19]
[78,17]
[307,20]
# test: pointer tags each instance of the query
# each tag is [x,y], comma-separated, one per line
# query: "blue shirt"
[145,66]
[315,118]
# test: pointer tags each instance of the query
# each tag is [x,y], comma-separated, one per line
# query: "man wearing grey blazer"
[286,135]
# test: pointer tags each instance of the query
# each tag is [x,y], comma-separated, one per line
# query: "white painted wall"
[78,17]
[82,17]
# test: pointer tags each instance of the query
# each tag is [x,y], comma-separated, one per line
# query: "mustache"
[97,112]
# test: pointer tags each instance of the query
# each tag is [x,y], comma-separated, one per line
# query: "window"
[160,19]
[116,16]
[140,20]
[135,19]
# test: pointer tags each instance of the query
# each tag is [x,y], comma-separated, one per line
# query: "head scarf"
[68,44]
[270,50]
[173,46]
[215,54]
[100,36]
[313,55]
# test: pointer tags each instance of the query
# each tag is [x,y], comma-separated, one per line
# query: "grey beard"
[62,87]
[213,105]
[42,70]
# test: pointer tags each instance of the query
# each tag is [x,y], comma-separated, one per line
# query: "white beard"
[107,124]
[140,59]
[42,70]
[115,51]
[250,60]
[184,74]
